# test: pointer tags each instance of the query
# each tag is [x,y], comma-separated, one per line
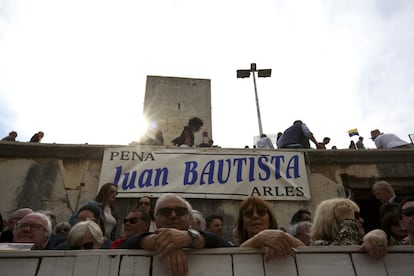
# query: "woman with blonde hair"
[85,235]
[337,222]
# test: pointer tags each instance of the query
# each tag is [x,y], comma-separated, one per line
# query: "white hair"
[198,216]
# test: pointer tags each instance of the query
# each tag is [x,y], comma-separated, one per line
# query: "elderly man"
[7,235]
[383,191]
[406,208]
[136,222]
[388,140]
[33,228]
[172,218]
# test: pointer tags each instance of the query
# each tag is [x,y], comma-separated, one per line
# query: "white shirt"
[109,222]
[265,143]
[389,141]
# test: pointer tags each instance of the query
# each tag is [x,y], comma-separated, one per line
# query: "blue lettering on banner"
[146,178]
[261,167]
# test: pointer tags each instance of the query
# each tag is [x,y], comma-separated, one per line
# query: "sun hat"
[375,133]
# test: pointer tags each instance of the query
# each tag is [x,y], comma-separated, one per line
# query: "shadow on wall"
[37,187]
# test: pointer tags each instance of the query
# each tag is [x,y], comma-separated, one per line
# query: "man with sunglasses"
[135,222]
[407,219]
[33,228]
[173,219]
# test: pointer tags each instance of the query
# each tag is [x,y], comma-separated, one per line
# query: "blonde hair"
[82,229]
[325,226]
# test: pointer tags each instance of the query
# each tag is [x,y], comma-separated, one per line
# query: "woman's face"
[113,192]
[255,220]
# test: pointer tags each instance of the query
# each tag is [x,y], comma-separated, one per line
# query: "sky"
[76,69]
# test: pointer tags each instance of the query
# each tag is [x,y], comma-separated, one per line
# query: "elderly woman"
[85,235]
[257,227]
[337,222]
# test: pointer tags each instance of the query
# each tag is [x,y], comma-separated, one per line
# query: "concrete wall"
[308,261]
[170,102]
[62,177]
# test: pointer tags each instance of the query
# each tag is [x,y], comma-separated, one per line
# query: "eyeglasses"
[86,245]
[261,212]
[131,220]
[179,211]
[144,204]
[32,226]
[407,212]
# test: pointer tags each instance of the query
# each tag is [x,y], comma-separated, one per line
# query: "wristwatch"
[195,235]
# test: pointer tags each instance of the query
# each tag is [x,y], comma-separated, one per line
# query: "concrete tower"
[170,102]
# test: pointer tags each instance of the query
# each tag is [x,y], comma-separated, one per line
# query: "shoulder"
[214,241]
[133,242]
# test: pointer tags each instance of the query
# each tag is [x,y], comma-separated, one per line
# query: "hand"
[343,210]
[276,243]
[375,243]
[176,262]
[168,239]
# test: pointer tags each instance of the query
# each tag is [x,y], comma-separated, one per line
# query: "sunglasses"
[407,212]
[179,211]
[144,204]
[86,245]
[131,220]
[261,212]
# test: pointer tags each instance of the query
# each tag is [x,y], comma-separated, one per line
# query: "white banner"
[206,173]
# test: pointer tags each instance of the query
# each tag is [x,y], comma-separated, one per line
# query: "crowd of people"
[173,225]
[299,136]
[36,138]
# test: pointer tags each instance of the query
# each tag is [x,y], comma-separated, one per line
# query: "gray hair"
[166,196]
[198,216]
[16,214]
[295,229]
[382,184]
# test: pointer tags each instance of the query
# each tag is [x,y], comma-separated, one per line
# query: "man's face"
[304,235]
[382,195]
[407,220]
[31,229]
[172,213]
[216,226]
[144,204]
[133,224]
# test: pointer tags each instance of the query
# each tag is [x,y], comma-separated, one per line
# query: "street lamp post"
[261,73]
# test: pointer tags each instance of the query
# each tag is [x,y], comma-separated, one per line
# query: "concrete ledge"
[323,157]
[308,261]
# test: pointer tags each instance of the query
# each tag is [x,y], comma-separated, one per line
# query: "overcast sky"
[76,69]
